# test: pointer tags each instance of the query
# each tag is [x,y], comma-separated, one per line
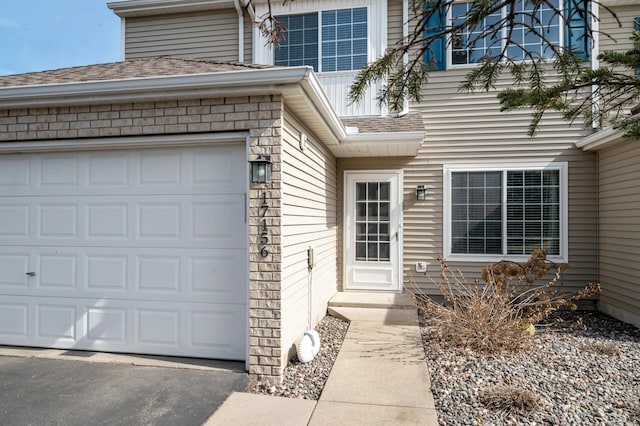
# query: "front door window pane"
[372,221]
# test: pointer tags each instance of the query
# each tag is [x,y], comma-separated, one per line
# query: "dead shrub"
[509,400]
[600,348]
[499,314]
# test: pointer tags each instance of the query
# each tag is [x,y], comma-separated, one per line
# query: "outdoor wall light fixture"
[421,192]
[261,169]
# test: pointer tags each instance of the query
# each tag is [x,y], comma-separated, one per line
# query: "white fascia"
[256,81]
[318,97]
[599,140]
[128,8]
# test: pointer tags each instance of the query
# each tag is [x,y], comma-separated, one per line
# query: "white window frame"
[263,52]
[320,31]
[562,167]
[450,63]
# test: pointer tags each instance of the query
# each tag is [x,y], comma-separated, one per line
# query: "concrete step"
[383,308]
[372,300]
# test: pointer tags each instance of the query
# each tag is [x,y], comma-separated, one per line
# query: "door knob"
[31,274]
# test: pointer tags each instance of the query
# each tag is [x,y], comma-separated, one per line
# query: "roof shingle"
[135,68]
[410,122]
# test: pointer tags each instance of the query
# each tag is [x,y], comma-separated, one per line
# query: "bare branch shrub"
[509,399]
[499,314]
[599,348]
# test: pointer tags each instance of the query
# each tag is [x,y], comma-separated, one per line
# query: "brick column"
[265,353]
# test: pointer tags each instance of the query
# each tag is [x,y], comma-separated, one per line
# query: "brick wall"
[260,115]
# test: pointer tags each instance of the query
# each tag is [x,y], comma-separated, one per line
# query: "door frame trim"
[399,258]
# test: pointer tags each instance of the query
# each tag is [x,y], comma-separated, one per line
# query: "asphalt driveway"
[38,391]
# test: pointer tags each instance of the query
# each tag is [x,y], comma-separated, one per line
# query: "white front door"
[372,239]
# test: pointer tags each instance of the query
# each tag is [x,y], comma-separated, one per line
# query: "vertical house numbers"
[264,234]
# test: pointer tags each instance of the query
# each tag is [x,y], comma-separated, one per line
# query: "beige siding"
[248,38]
[394,22]
[619,32]
[469,128]
[619,184]
[308,220]
[202,35]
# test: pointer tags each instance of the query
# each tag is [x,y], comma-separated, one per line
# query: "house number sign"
[264,235]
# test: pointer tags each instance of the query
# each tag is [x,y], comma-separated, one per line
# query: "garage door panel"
[14,320]
[158,274]
[108,171]
[15,220]
[135,273]
[57,270]
[128,251]
[199,221]
[15,173]
[58,171]
[56,322]
[219,339]
[14,266]
[58,220]
[107,272]
[223,168]
[159,168]
[106,325]
[158,220]
[206,170]
[107,221]
[167,328]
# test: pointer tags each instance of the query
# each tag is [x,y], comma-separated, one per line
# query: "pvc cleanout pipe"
[308,346]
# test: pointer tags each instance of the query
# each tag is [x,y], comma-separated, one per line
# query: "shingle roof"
[148,67]
[410,122]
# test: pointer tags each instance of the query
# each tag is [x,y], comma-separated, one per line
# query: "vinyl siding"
[201,35]
[248,39]
[394,22]
[308,220]
[469,128]
[619,233]
[619,33]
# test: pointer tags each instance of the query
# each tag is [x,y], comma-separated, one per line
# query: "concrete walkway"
[379,378]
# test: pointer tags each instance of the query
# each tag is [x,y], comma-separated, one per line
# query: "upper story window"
[512,210]
[535,29]
[328,41]
[468,47]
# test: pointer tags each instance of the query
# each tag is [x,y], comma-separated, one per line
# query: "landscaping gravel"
[581,368]
[306,381]
[584,369]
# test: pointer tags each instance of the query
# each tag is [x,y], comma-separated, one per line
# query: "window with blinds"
[506,212]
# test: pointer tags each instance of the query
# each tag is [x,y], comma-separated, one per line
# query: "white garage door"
[140,251]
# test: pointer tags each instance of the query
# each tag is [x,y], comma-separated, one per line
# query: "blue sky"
[37,35]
